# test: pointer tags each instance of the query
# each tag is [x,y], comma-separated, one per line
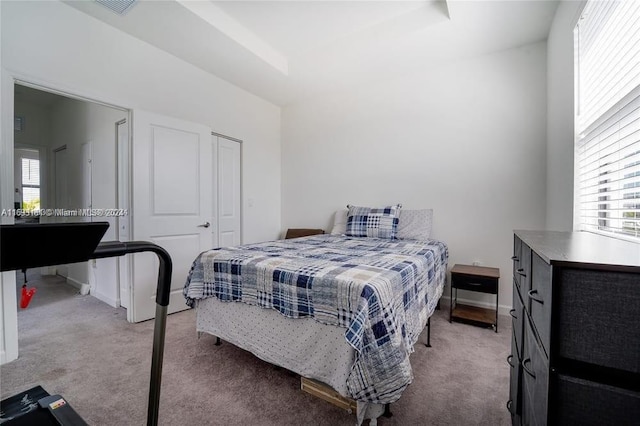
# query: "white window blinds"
[30,183]
[30,172]
[608,121]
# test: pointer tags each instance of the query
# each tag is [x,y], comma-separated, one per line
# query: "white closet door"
[172,204]
[229,195]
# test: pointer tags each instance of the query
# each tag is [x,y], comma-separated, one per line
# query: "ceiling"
[284,51]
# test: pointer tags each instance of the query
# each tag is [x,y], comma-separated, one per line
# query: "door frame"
[9,320]
[8,79]
[240,194]
[123,197]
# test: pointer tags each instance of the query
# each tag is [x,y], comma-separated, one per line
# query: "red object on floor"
[27,294]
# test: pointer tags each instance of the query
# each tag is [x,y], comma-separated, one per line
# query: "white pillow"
[415,224]
[340,222]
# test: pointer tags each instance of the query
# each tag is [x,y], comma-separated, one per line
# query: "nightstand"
[302,232]
[479,279]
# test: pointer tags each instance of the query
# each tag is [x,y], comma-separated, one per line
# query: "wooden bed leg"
[429,333]
[387,411]
[218,342]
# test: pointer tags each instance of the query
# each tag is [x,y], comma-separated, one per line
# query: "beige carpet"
[85,350]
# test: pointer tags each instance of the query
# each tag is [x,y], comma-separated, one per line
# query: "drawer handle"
[515,258]
[509,358]
[512,312]
[521,272]
[524,367]
[474,284]
[532,296]
[509,404]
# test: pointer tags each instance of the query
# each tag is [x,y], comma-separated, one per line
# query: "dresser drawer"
[535,378]
[538,299]
[522,273]
[517,314]
[517,254]
[598,318]
[528,414]
[515,381]
[582,402]
[475,283]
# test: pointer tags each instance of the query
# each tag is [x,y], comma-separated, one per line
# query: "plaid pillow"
[369,222]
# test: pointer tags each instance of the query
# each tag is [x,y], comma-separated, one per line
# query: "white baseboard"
[82,287]
[106,299]
[502,309]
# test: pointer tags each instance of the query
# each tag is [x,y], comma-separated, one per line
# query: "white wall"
[560,117]
[466,139]
[54,45]
[37,124]
[50,42]
[74,123]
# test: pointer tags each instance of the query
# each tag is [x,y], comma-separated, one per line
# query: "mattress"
[364,300]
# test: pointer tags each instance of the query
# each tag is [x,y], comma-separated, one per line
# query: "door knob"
[204,225]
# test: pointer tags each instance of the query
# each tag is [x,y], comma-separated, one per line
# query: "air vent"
[118,6]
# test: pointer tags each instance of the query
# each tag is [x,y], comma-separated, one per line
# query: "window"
[607,45]
[30,184]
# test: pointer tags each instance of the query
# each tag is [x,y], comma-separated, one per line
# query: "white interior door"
[172,204]
[229,192]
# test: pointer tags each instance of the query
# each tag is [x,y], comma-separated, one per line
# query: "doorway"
[67,151]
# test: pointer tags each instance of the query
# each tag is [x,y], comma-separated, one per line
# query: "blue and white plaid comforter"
[381,291]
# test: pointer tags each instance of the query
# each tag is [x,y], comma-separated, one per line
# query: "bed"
[341,309]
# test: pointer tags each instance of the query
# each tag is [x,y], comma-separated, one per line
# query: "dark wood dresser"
[575,351]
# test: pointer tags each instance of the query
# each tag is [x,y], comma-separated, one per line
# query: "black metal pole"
[117,248]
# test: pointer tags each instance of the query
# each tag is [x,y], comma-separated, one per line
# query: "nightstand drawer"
[475,283]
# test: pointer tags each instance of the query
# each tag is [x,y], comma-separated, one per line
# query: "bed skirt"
[304,346]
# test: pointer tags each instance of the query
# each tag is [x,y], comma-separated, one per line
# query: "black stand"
[116,248]
[77,242]
[387,411]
